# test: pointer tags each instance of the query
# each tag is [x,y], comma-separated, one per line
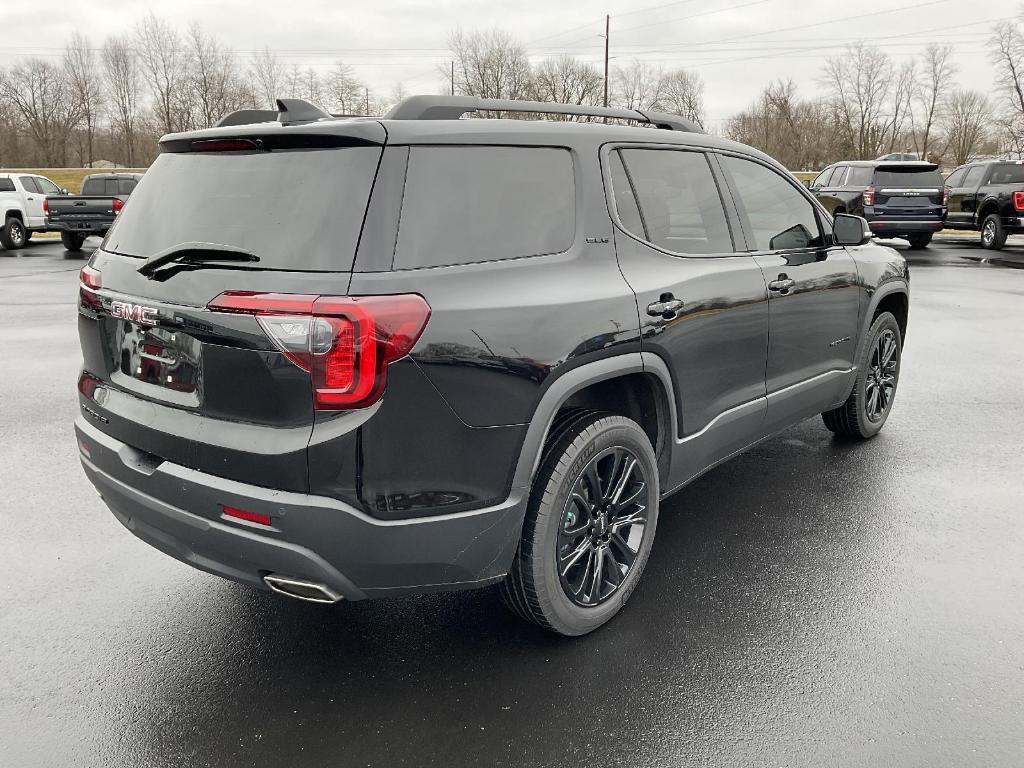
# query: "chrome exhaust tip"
[300,589]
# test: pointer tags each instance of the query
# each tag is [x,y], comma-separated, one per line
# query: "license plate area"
[160,357]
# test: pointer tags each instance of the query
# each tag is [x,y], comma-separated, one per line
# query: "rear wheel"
[72,240]
[589,525]
[878,371]
[13,235]
[919,240]
[993,235]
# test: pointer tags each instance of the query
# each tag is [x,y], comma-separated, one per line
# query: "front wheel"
[589,526]
[993,234]
[13,235]
[878,372]
[919,240]
[72,240]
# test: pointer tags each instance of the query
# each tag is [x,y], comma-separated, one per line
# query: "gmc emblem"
[134,312]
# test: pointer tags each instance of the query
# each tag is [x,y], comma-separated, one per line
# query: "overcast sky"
[736,45]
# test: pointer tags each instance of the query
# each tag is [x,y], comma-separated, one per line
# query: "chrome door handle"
[782,285]
[666,306]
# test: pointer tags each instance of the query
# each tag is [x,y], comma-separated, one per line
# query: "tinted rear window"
[294,209]
[907,178]
[471,204]
[1007,173]
[6,185]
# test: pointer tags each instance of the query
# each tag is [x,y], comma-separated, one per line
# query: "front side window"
[974,174]
[779,216]
[680,206]
[956,178]
[823,177]
[473,204]
[839,177]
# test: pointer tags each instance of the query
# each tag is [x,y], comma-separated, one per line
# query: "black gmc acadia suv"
[898,199]
[351,358]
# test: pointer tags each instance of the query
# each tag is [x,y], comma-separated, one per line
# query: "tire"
[72,240]
[28,235]
[993,234]
[566,541]
[919,240]
[862,415]
[13,234]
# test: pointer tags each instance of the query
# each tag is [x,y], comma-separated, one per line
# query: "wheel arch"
[626,385]
[988,207]
[891,297]
[16,213]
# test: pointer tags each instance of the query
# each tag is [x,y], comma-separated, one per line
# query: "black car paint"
[970,205]
[427,488]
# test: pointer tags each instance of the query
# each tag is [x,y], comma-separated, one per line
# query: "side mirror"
[850,230]
[64,191]
[806,183]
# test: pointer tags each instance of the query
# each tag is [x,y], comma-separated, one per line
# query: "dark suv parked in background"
[487,352]
[899,199]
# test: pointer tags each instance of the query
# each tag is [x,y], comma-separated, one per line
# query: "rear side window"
[956,177]
[859,176]
[28,183]
[907,178]
[6,185]
[839,177]
[625,200]
[464,205]
[778,215]
[294,209]
[974,174]
[679,201]
[1007,173]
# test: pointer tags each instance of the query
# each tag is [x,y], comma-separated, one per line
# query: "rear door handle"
[783,285]
[666,306]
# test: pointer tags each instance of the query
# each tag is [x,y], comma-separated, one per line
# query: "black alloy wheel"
[602,527]
[880,383]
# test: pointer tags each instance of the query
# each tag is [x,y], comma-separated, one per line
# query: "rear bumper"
[178,511]
[88,226]
[904,227]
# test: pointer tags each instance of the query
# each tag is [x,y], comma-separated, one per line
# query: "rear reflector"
[1018,201]
[244,514]
[87,384]
[345,342]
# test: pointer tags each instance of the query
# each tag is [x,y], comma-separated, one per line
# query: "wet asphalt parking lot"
[811,603]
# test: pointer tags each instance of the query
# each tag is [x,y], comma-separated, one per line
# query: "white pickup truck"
[21,203]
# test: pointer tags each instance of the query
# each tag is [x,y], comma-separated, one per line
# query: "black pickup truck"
[987,197]
[92,212]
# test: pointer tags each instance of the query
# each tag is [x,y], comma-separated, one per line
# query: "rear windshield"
[108,187]
[1007,173]
[909,178]
[295,209]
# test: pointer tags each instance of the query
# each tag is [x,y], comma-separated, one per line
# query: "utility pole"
[453,77]
[607,21]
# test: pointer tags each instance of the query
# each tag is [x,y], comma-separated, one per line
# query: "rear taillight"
[1018,201]
[46,205]
[344,342]
[945,195]
[869,196]
[90,281]
[118,205]
[244,514]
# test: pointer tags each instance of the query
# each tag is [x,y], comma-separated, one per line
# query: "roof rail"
[288,111]
[454,107]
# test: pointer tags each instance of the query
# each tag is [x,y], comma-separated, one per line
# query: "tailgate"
[909,192]
[208,389]
[65,208]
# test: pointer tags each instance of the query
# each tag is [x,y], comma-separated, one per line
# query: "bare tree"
[268,76]
[859,85]
[637,86]
[84,85]
[683,94]
[163,63]
[965,123]
[566,80]
[42,98]
[1008,57]
[932,89]
[344,93]
[490,65]
[121,73]
[901,105]
[215,88]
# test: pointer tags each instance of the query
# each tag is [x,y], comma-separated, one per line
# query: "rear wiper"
[193,253]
